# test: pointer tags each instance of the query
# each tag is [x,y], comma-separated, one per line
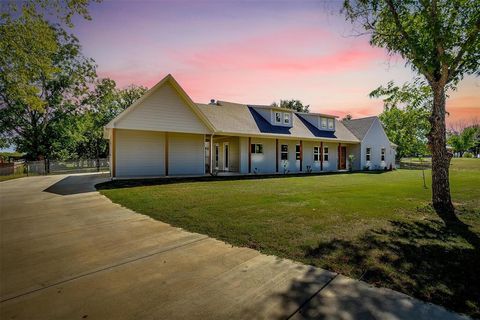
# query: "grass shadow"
[425,259]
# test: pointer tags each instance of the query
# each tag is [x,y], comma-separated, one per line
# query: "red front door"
[343,158]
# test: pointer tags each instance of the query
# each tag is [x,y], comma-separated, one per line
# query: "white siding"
[308,156]
[164,110]
[356,151]
[186,154]
[243,154]
[139,153]
[376,139]
[331,165]
[264,163]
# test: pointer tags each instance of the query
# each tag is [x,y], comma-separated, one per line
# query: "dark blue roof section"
[266,127]
[315,131]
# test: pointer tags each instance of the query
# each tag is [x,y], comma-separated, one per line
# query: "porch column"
[210,155]
[339,155]
[249,155]
[321,156]
[276,155]
[113,157]
[166,153]
[301,155]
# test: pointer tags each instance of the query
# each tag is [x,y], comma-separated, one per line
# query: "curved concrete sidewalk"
[67,252]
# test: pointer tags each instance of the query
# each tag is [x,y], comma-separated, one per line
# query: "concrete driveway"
[67,252]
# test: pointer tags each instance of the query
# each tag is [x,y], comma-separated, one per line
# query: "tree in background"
[295,105]
[347,117]
[43,79]
[465,140]
[405,116]
[440,40]
[102,104]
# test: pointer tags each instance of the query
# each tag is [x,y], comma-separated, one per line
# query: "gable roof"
[360,127]
[241,119]
[178,89]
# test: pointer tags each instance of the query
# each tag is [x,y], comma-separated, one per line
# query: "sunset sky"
[251,52]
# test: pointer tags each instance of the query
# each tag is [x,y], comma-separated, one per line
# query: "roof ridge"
[360,118]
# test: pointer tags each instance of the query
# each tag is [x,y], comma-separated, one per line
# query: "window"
[256,148]
[325,154]
[286,118]
[297,152]
[284,152]
[367,154]
[278,117]
[383,154]
[324,123]
[316,154]
[330,123]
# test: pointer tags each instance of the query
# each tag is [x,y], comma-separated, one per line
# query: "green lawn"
[13,176]
[375,226]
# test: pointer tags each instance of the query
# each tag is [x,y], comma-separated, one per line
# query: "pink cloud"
[294,50]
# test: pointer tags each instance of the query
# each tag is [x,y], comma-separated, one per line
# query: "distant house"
[165,133]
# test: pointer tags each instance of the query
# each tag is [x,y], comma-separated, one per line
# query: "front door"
[226,156]
[343,158]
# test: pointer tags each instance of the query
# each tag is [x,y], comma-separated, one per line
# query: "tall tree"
[43,76]
[440,40]
[103,104]
[295,105]
[405,115]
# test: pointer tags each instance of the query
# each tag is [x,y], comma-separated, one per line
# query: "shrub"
[468,155]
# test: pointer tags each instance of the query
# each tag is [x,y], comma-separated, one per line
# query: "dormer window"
[278,117]
[330,123]
[324,123]
[286,118]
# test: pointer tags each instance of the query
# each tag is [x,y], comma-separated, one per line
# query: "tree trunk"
[441,199]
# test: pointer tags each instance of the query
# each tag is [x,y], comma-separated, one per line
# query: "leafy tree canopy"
[43,77]
[405,116]
[102,104]
[465,140]
[295,105]
[438,38]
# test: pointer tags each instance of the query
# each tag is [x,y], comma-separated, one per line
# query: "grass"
[375,226]
[13,176]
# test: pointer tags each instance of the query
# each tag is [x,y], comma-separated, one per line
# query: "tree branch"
[464,48]
[401,29]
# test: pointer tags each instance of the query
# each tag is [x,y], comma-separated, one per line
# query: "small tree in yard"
[465,140]
[440,40]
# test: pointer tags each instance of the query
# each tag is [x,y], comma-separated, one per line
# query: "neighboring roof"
[241,119]
[360,127]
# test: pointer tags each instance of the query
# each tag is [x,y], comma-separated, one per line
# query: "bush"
[468,155]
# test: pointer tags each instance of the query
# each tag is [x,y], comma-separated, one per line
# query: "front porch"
[229,155]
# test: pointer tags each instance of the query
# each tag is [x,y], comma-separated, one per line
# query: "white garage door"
[186,154]
[140,153]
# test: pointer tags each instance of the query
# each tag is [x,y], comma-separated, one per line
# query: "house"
[165,133]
